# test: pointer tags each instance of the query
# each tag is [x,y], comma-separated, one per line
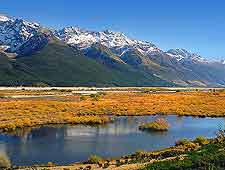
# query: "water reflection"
[2,148]
[67,144]
[179,119]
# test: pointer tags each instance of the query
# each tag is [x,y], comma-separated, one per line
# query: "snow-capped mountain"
[183,55]
[15,32]
[117,41]
[133,62]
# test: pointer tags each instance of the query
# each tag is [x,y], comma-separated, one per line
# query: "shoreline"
[137,160]
[96,121]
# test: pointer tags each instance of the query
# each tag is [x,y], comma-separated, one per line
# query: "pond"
[68,144]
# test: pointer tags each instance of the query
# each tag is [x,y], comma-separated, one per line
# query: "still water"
[68,144]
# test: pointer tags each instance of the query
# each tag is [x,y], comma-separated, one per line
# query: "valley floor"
[28,108]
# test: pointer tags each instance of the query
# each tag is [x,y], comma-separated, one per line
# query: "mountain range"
[33,55]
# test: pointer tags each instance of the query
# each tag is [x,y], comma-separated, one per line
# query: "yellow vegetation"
[18,113]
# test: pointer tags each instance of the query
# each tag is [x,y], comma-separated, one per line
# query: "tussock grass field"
[95,108]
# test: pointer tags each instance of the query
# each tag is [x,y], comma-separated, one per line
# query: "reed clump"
[159,124]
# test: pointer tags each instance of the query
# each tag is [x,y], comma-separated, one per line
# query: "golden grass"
[16,113]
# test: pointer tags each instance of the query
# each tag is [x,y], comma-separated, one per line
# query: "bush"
[4,161]
[188,145]
[183,141]
[2,96]
[140,152]
[51,164]
[65,90]
[201,140]
[94,159]
[118,163]
[106,165]
[157,125]
[82,98]
[102,93]
[88,167]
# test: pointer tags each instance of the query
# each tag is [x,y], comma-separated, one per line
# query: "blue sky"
[196,25]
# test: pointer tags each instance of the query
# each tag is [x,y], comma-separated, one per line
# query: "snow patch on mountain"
[4,47]
[4,18]
[83,39]
[184,55]
[15,32]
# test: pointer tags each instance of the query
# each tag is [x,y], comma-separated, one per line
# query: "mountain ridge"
[112,50]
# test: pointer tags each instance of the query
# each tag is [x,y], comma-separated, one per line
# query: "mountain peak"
[4,18]
[116,41]
[107,31]
[72,29]
[184,55]
[15,32]
[110,32]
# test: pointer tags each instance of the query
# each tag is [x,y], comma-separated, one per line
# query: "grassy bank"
[210,156]
[74,109]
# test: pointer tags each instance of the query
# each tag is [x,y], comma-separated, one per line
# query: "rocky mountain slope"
[32,54]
